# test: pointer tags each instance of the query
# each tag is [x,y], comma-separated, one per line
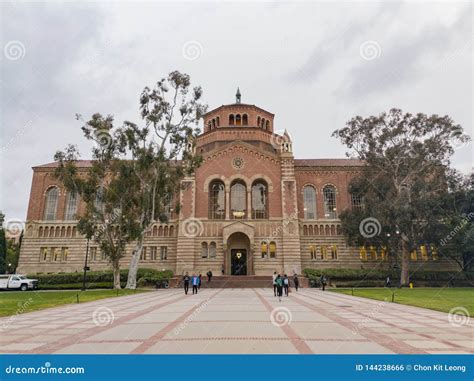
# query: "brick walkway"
[235,321]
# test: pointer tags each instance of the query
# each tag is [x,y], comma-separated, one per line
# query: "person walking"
[186,279]
[286,284]
[279,286]
[195,283]
[274,276]
[222,269]
[200,280]
[388,283]
[209,275]
[323,282]
[296,281]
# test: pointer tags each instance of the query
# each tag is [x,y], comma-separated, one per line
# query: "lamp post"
[86,268]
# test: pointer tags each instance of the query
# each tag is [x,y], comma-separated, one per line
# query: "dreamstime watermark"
[103,316]
[370,50]
[370,227]
[281,139]
[22,307]
[281,316]
[103,137]
[465,221]
[14,50]
[14,227]
[191,317]
[458,316]
[192,50]
[193,227]
[362,324]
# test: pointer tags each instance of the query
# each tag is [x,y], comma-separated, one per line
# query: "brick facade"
[234,149]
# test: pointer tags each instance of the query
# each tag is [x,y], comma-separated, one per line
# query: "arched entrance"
[239,259]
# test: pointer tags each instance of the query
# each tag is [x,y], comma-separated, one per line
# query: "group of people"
[281,283]
[195,281]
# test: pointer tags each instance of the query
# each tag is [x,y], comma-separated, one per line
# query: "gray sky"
[314,64]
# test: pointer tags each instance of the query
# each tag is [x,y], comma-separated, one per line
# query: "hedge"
[377,274]
[97,279]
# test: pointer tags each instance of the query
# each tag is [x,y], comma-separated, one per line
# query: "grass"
[439,299]
[17,302]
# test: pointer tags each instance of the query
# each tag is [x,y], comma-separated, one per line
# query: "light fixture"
[238,255]
[238,214]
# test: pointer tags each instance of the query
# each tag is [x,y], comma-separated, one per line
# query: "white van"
[17,282]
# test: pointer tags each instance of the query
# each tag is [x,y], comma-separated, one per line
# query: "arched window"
[217,200]
[312,251]
[238,120]
[212,250]
[305,230]
[218,121]
[264,249]
[245,120]
[209,125]
[213,123]
[99,200]
[231,119]
[334,252]
[238,200]
[357,202]
[259,200]
[71,207]
[258,121]
[310,230]
[273,249]
[262,123]
[267,125]
[309,202]
[329,193]
[51,204]
[204,251]
[167,206]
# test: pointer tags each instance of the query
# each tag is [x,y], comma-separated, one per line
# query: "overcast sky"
[314,64]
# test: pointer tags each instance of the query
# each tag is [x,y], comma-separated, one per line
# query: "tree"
[106,188]
[171,112]
[3,245]
[457,242]
[407,168]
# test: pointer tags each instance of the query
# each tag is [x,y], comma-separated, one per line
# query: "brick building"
[250,208]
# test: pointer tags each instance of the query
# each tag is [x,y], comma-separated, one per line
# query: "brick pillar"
[290,235]
[189,228]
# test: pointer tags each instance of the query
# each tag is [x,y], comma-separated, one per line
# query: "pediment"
[238,227]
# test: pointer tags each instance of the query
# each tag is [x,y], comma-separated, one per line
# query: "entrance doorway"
[238,262]
[238,259]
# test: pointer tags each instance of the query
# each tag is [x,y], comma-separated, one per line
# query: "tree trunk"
[405,268]
[116,267]
[133,268]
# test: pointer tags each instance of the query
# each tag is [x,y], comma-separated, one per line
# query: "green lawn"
[16,302]
[440,299]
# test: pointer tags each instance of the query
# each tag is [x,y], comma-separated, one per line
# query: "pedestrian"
[279,286]
[296,281]
[274,276]
[195,283]
[286,284]
[186,280]
[209,275]
[222,269]
[388,282]
[200,280]
[323,282]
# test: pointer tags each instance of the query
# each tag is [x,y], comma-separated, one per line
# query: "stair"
[229,281]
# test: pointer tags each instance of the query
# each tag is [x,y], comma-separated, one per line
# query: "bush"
[376,277]
[94,279]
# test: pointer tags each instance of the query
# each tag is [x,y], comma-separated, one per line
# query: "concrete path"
[236,321]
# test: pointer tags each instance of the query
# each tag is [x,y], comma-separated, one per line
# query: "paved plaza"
[235,321]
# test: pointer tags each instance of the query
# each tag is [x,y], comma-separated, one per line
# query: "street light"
[86,268]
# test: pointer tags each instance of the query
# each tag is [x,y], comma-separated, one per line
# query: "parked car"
[17,282]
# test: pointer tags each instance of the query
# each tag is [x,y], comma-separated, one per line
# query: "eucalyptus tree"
[161,152]
[406,174]
[106,188]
